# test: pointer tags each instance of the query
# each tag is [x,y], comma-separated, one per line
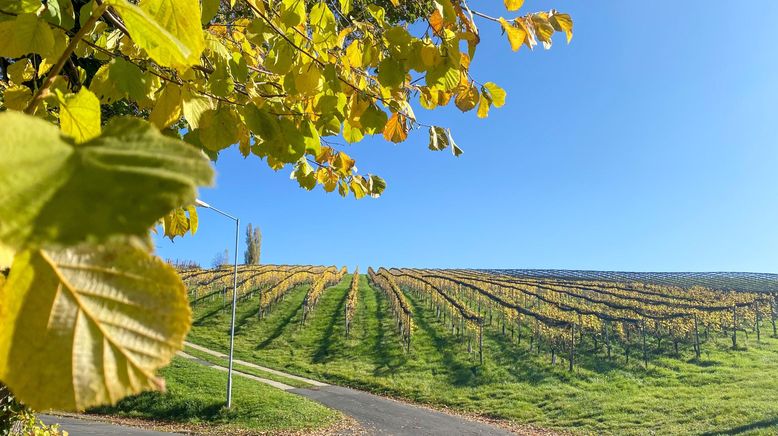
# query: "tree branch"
[55,70]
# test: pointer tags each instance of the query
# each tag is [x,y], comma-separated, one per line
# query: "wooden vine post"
[734,326]
[572,347]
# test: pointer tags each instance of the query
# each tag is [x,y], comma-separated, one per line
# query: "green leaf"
[26,34]
[121,182]
[496,94]
[169,30]
[438,138]
[105,318]
[292,12]
[21,71]
[264,125]
[378,13]
[60,12]
[79,115]
[373,119]
[351,133]
[168,107]
[219,128]
[193,107]
[443,76]
[304,174]
[210,9]
[454,147]
[280,58]
[391,73]
[17,97]
[120,79]
[324,29]
[20,6]
[376,185]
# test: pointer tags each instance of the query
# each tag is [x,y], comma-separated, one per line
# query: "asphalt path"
[78,426]
[384,416]
[376,414]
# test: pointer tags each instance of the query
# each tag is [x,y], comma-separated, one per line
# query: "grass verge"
[727,391]
[195,395]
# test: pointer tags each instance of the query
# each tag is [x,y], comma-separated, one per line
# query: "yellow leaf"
[543,29]
[309,80]
[17,97]
[21,71]
[108,315]
[168,107]
[25,34]
[513,5]
[515,35]
[467,98]
[562,23]
[483,107]
[6,258]
[496,94]
[358,188]
[170,31]
[193,219]
[327,178]
[193,106]
[436,22]
[219,128]
[396,129]
[343,164]
[79,115]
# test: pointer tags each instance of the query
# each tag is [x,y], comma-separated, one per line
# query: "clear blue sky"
[648,144]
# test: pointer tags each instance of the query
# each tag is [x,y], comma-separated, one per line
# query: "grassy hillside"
[196,394]
[727,392]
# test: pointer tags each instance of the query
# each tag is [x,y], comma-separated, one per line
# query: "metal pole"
[232,322]
[234,294]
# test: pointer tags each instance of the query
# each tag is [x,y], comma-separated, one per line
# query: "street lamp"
[234,294]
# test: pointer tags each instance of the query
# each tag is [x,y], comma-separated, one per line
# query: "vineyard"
[497,342]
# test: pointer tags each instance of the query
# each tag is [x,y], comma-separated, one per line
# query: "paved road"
[77,427]
[378,415]
[383,416]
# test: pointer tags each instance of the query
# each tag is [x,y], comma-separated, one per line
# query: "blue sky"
[647,144]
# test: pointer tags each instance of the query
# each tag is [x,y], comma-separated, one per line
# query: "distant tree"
[221,258]
[253,245]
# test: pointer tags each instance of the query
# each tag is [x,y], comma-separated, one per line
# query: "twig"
[55,70]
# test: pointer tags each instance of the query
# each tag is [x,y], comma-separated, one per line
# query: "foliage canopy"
[112,109]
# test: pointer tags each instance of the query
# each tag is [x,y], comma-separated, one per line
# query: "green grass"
[195,395]
[222,361]
[727,392]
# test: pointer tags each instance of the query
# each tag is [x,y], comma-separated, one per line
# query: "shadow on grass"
[458,373]
[156,406]
[765,423]
[386,362]
[279,330]
[324,352]
[202,319]
[246,315]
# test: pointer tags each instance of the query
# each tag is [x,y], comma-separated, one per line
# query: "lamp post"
[234,294]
